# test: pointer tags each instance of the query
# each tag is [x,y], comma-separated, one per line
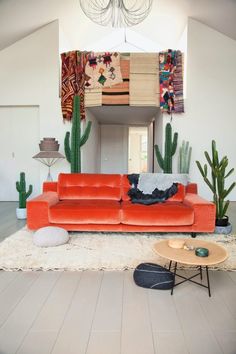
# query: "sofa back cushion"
[179,196]
[125,186]
[89,186]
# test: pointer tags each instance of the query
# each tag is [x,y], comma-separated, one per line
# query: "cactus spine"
[165,162]
[21,188]
[73,146]
[217,181]
[185,152]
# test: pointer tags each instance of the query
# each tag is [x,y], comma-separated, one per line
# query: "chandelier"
[117,13]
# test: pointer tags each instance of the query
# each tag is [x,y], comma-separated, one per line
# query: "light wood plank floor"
[106,313]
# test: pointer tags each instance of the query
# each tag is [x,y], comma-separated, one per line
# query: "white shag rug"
[95,251]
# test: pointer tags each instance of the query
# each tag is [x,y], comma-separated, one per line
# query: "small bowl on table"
[202,252]
[175,243]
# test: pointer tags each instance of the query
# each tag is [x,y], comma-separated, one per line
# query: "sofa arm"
[49,187]
[204,212]
[192,188]
[37,210]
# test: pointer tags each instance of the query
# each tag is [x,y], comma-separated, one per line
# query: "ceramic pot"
[225,230]
[222,222]
[21,213]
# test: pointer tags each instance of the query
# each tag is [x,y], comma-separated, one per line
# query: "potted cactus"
[217,184]
[165,161]
[75,140]
[23,195]
[185,152]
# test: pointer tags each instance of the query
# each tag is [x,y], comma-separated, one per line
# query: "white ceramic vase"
[21,213]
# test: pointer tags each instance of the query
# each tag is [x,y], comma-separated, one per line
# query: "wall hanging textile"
[135,79]
[93,97]
[118,95]
[171,81]
[73,81]
[178,83]
[144,79]
[103,70]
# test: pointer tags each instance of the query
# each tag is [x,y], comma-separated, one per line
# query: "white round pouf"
[50,236]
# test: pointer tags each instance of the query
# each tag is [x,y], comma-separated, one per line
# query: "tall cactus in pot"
[165,162]
[75,140]
[217,181]
[185,152]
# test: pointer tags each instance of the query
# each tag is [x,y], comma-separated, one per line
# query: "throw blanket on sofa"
[148,182]
[156,195]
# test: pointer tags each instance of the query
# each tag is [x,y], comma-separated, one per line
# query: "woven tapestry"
[103,70]
[93,97]
[178,84]
[117,79]
[171,81]
[73,82]
[118,95]
[144,79]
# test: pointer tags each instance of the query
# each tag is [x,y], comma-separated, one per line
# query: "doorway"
[138,150]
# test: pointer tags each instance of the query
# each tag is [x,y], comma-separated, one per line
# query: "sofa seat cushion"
[163,214]
[85,212]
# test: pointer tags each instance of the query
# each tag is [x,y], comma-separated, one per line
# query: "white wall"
[124,41]
[17,149]
[30,75]
[211,92]
[91,151]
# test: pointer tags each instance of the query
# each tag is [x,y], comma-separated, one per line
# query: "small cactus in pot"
[23,195]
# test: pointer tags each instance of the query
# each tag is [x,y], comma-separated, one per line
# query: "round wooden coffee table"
[217,254]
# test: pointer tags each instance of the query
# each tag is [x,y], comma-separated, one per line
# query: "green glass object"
[202,252]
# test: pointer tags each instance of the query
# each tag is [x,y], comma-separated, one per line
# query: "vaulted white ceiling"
[164,25]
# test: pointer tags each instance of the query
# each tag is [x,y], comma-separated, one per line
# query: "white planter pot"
[21,213]
[226,230]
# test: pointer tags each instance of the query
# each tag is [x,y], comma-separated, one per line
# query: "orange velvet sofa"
[99,202]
